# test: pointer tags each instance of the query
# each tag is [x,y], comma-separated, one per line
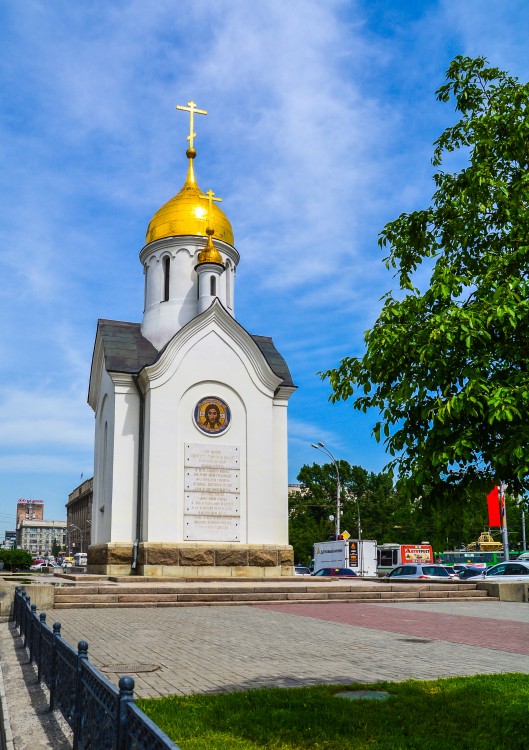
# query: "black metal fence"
[102,717]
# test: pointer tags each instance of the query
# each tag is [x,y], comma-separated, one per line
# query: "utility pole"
[503,515]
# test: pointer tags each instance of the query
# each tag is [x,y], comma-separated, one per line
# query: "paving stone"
[221,648]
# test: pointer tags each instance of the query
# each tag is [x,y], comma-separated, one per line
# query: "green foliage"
[486,712]
[446,519]
[447,367]
[15,558]
[384,514]
[55,548]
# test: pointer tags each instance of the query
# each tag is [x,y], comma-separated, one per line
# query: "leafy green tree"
[55,548]
[15,558]
[365,495]
[446,363]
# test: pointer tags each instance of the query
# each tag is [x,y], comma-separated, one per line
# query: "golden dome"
[187,213]
[209,254]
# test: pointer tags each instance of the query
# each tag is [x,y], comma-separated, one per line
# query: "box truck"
[360,556]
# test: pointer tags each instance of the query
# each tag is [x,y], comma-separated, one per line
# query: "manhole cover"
[129,668]
[367,695]
[414,640]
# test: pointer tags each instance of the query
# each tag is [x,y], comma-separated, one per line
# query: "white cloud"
[321,118]
[38,463]
[47,419]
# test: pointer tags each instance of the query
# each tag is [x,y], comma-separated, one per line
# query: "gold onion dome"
[187,214]
[209,254]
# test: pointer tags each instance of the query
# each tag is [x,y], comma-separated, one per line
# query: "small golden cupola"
[187,212]
[210,254]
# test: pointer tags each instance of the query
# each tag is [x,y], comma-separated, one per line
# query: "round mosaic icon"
[212,415]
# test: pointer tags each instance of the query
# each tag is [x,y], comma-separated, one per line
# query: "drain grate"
[134,668]
[366,695]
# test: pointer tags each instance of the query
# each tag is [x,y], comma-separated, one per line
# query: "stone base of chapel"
[192,560]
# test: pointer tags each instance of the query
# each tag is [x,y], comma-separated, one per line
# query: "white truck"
[360,556]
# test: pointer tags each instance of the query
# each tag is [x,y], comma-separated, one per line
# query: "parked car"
[420,572]
[512,571]
[463,566]
[38,566]
[470,572]
[301,570]
[523,556]
[336,572]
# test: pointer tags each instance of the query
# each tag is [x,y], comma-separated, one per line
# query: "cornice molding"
[96,372]
[216,319]
[189,243]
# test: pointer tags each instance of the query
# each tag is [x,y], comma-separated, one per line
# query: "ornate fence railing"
[101,716]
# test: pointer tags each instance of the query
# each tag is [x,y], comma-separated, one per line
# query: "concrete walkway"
[218,649]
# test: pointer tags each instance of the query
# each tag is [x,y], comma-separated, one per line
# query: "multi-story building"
[29,510]
[10,538]
[37,537]
[79,517]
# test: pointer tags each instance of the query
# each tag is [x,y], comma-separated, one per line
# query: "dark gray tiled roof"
[126,350]
[274,359]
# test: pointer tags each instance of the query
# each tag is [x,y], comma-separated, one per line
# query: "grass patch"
[484,712]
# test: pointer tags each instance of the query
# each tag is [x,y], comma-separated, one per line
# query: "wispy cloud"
[321,119]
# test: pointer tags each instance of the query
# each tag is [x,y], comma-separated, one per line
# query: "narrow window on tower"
[213,286]
[166,275]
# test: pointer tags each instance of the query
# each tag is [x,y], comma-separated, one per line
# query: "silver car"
[514,570]
[301,570]
[420,571]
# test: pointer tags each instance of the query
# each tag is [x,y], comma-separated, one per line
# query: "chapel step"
[85,597]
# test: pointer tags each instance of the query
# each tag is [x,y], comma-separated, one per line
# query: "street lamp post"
[73,526]
[321,447]
[504,532]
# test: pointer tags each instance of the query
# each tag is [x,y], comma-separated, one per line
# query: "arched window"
[166,275]
[228,280]
[213,286]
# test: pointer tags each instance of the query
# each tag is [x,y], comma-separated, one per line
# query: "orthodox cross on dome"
[210,197]
[192,109]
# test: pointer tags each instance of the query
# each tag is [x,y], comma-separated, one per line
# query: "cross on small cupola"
[209,266]
[210,254]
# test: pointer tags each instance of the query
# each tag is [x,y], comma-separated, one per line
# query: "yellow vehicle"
[485,543]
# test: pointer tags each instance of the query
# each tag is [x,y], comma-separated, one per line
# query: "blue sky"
[321,120]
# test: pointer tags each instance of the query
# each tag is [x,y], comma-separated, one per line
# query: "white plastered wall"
[115,464]
[212,363]
[162,319]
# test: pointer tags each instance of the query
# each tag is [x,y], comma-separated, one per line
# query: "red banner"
[493,504]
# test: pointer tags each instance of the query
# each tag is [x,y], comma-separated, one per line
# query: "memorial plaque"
[212,480]
[211,529]
[212,456]
[211,504]
[212,493]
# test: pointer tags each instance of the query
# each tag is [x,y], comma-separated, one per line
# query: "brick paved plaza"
[221,648]
[210,649]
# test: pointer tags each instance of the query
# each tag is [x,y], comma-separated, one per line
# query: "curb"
[6,736]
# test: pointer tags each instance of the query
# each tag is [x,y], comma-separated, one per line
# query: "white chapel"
[190,466]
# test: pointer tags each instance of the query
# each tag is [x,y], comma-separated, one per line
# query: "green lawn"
[467,713]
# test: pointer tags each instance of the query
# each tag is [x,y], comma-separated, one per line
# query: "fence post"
[33,616]
[53,679]
[27,603]
[82,655]
[16,605]
[27,610]
[126,695]
[42,618]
